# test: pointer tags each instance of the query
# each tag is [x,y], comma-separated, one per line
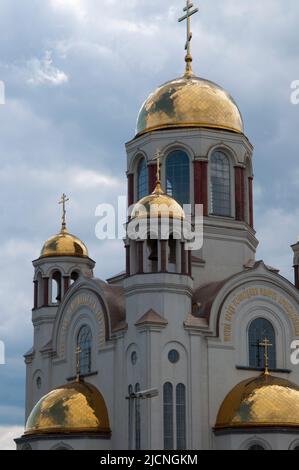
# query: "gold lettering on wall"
[93,304]
[253,293]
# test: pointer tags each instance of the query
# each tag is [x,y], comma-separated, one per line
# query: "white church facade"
[184,349]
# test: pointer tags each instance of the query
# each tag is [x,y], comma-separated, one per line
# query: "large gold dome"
[64,244]
[158,204]
[189,101]
[75,408]
[265,401]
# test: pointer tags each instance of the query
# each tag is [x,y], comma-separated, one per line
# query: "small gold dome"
[189,101]
[75,408]
[265,401]
[157,204]
[64,244]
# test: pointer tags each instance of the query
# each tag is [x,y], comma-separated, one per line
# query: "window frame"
[231,180]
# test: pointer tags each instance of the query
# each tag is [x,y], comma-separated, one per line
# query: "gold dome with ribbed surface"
[158,204]
[265,401]
[64,244]
[189,101]
[75,408]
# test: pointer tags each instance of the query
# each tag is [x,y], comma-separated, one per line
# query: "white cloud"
[7,436]
[43,72]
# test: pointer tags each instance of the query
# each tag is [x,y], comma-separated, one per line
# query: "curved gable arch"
[259,284]
[85,296]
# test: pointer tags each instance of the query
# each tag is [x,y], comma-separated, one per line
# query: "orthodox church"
[185,349]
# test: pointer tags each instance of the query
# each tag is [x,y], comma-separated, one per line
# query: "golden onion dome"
[75,408]
[265,401]
[189,101]
[64,244]
[158,204]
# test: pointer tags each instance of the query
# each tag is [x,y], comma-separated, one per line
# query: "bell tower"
[63,260]
[207,160]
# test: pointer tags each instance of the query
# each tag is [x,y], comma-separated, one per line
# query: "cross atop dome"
[64,199]
[188,13]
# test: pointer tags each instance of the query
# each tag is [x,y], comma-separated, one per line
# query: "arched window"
[181,416]
[220,185]
[137,419]
[56,287]
[178,176]
[168,416]
[256,447]
[74,276]
[85,344]
[142,179]
[130,390]
[258,331]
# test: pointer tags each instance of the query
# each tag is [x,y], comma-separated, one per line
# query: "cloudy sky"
[76,73]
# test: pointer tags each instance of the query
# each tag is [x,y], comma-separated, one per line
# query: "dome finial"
[188,14]
[158,156]
[266,345]
[64,199]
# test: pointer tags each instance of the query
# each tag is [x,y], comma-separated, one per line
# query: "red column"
[130,189]
[250,196]
[240,193]
[163,244]
[35,302]
[128,260]
[152,178]
[66,284]
[140,257]
[201,185]
[183,259]
[46,291]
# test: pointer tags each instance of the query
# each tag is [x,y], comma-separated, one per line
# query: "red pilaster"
[201,185]
[130,189]
[35,302]
[66,284]
[250,197]
[183,259]
[140,258]
[163,244]
[46,291]
[152,178]
[240,193]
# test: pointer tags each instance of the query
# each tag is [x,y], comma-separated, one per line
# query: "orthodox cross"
[158,156]
[266,345]
[63,202]
[189,11]
[78,363]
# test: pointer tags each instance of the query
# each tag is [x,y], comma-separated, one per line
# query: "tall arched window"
[131,404]
[181,416]
[137,419]
[178,176]
[258,331]
[56,287]
[85,343]
[220,185]
[168,415]
[142,179]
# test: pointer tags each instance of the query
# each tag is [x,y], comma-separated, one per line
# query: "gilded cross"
[63,202]
[78,363]
[189,11]
[158,156]
[266,345]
